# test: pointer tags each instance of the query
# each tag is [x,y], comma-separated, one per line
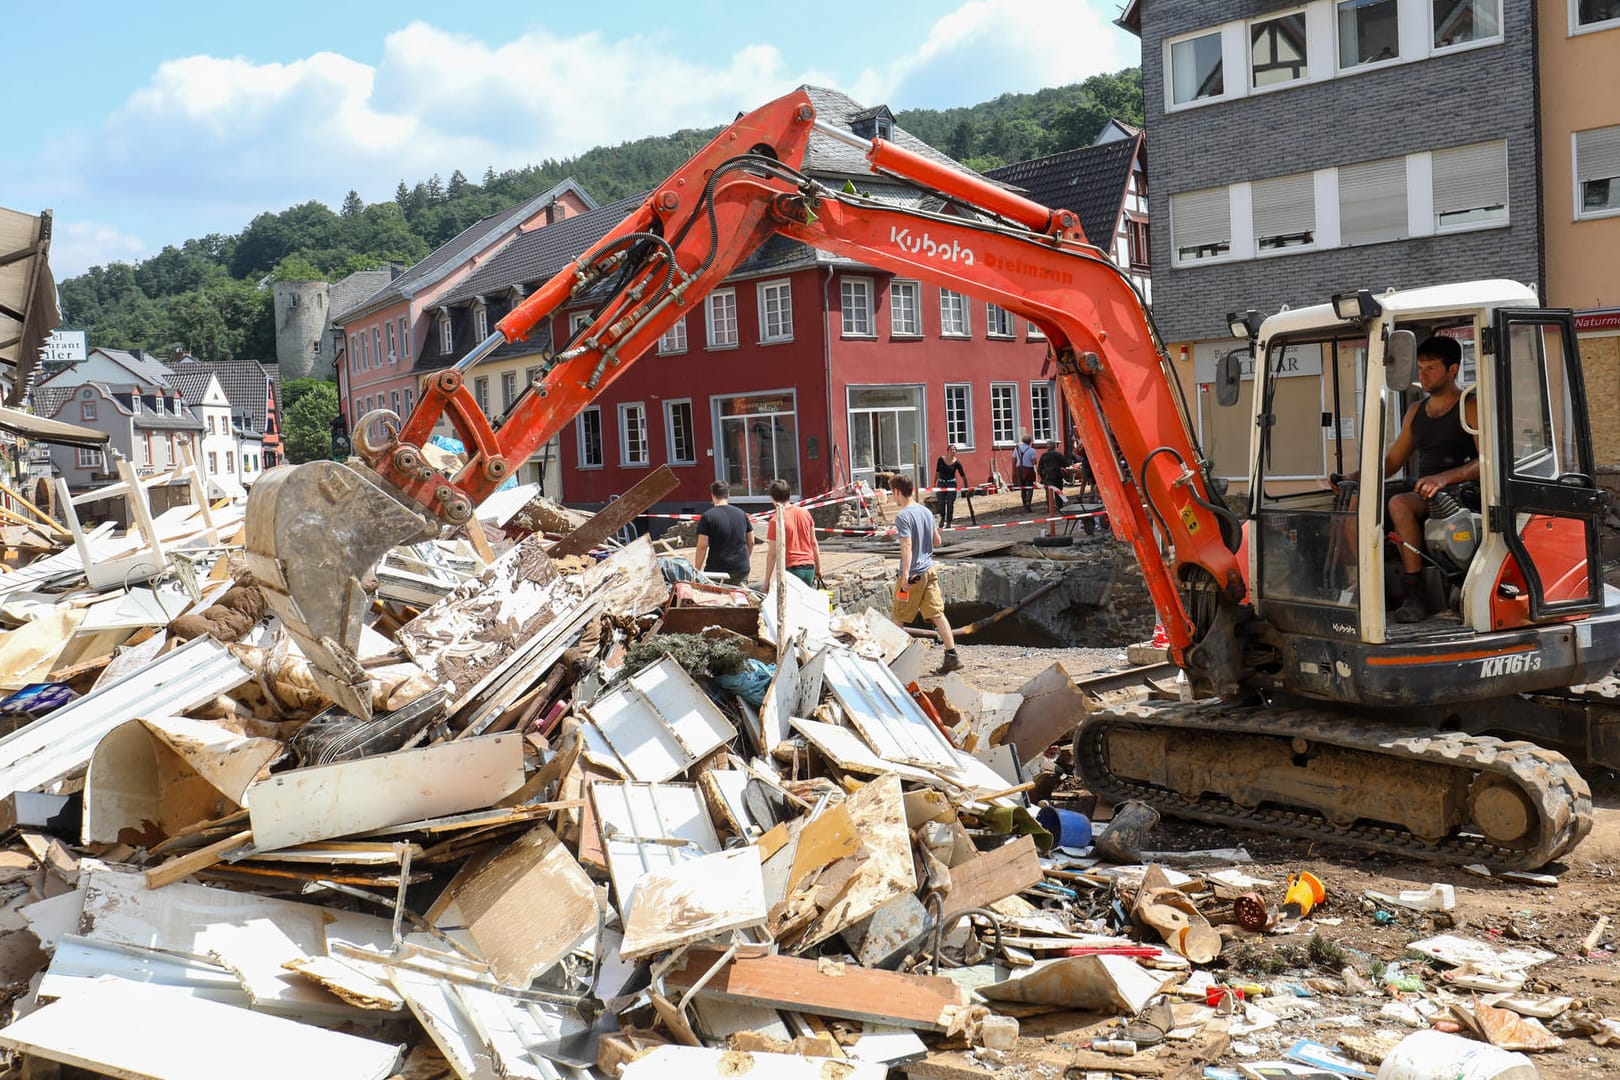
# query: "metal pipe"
[481,350]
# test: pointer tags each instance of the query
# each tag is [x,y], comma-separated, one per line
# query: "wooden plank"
[992,876]
[855,993]
[185,865]
[617,514]
[520,938]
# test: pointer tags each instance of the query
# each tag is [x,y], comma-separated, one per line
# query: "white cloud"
[78,245]
[988,47]
[209,142]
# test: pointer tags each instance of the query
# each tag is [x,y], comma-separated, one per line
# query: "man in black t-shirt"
[725,537]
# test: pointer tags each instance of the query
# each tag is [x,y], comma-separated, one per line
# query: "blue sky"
[173,119]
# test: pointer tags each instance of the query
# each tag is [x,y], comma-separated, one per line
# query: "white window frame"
[633,454]
[89,458]
[393,343]
[673,341]
[446,334]
[577,320]
[777,329]
[376,345]
[1402,48]
[718,418]
[410,400]
[964,306]
[481,393]
[404,337]
[579,437]
[966,392]
[999,323]
[87,409]
[731,337]
[509,390]
[1220,35]
[365,351]
[1248,52]
[1043,388]
[1575,26]
[354,352]
[671,450]
[1575,174]
[855,298]
[1000,389]
[1034,332]
[1437,49]
[480,322]
[914,290]
[393,402]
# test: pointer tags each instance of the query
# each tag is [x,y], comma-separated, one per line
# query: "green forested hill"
[205,295]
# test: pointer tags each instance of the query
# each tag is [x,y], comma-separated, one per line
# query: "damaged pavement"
[606,820]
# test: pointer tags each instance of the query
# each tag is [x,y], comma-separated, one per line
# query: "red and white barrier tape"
[889,531]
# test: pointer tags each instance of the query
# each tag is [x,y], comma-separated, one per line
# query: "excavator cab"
[1507,561]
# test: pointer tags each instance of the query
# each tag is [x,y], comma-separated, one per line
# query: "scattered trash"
[1435,1055]
[1438,897]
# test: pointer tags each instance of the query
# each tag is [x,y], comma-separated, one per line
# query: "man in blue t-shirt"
[917,591]
[725,537]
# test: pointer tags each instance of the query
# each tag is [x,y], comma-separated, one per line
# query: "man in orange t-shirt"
[803,556]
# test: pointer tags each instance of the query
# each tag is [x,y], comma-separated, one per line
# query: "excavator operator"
[1447,457]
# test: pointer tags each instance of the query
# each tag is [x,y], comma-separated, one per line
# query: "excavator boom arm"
[744,187]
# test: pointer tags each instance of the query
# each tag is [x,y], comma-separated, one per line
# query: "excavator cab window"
[1305,535]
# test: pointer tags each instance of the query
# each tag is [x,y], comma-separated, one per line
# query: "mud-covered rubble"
[573,843]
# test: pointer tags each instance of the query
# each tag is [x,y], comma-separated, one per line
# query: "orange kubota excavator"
[1315,717]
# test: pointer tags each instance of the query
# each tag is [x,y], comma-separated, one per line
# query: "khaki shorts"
[924,599]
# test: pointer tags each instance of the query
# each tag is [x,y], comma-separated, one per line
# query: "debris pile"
[609,820]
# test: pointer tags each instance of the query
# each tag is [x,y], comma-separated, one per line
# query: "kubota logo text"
[951,252]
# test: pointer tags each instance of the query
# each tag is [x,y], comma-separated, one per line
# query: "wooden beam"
[856,993]
[44,518]
[617,514]
[992,876]
[201,859]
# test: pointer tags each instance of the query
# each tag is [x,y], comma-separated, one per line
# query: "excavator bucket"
[314,531]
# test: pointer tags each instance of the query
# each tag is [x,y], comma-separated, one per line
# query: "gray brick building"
[1306,123]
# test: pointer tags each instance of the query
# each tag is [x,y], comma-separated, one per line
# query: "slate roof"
[244,383]
[192,384]
[825,155]
[142,366]
[360,286]
[1090,180]
[48,399]
[467,243]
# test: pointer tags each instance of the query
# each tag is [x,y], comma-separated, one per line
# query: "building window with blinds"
[1372,202]
[1470,186]
[1200,225]
[1597,172]
[1284,212]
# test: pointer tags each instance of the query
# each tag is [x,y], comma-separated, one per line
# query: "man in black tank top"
[1445,455]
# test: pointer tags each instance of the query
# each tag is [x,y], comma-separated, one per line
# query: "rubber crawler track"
[1561,796]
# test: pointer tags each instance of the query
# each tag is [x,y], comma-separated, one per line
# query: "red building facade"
[819,376]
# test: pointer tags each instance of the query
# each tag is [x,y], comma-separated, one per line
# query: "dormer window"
[874,123]
[480,322]
[446,335]
[135,404]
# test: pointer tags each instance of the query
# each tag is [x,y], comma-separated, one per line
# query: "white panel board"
[144,1032]
[351,797]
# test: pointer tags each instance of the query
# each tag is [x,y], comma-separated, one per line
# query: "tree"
[458,185]
[402,197]
[308,427]
[352,204]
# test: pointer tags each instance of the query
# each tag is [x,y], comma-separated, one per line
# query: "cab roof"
[1455,298]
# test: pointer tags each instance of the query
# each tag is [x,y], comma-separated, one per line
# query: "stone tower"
[303,344]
